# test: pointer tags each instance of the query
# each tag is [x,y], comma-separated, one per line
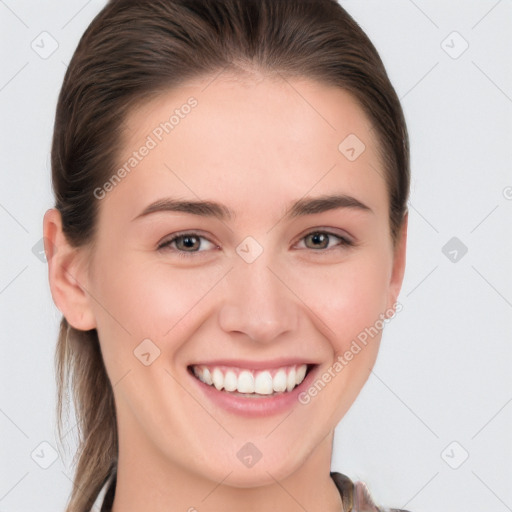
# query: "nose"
[258,301]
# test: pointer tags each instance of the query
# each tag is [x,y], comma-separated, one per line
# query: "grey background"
[431,430]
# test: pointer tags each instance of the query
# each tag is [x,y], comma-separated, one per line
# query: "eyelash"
[165,246]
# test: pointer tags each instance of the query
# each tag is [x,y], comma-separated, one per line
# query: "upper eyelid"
[166,241]
[330,231]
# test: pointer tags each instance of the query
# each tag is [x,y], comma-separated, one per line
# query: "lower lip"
[258,406]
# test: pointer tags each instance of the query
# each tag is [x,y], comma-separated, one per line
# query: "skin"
[255,144]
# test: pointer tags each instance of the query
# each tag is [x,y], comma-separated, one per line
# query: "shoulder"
[356,497]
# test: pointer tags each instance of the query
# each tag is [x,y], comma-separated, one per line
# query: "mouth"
[252,383]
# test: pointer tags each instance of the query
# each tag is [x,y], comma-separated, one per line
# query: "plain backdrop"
[431,430]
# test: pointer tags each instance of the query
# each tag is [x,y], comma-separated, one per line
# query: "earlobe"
[399,258]
[66,274]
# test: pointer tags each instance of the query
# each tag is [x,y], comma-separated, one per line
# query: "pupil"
[319,237]
[188,241]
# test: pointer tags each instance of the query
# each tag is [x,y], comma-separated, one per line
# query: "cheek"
[136,300]
[348,298]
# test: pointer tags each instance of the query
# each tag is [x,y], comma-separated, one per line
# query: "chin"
[253,467]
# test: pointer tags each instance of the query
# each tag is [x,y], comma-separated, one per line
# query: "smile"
[243,381]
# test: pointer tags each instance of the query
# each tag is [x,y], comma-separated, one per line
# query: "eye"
[321,240]
[185,244]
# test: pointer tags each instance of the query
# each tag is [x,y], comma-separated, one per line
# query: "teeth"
[290,381]
[218,379]
[301,372]
[245,382]
[279,382]
[207,376]
[230,381]
[263,382]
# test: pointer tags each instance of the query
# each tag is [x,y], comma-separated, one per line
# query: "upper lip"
[255,365]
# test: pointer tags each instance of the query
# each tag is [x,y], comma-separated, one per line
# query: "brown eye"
[322,239]
[186,244]
[318,240]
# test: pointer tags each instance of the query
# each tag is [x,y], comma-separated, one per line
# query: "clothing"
[354,496]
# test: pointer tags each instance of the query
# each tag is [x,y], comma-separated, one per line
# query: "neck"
[148,481]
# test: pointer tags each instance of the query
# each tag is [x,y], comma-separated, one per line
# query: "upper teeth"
[247,381]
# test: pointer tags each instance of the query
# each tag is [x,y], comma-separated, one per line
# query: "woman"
[227,243]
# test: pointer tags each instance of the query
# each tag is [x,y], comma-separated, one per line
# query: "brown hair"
[132,51]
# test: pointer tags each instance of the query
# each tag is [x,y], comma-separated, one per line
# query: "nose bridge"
[257,302]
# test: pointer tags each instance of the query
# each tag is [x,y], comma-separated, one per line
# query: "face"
[208,315]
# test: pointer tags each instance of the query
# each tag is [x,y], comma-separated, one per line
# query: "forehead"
[295,108]
[263,139]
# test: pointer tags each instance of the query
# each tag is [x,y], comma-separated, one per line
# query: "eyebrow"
[302,207]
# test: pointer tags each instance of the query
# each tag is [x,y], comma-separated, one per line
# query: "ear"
[67,274]
[397,274]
